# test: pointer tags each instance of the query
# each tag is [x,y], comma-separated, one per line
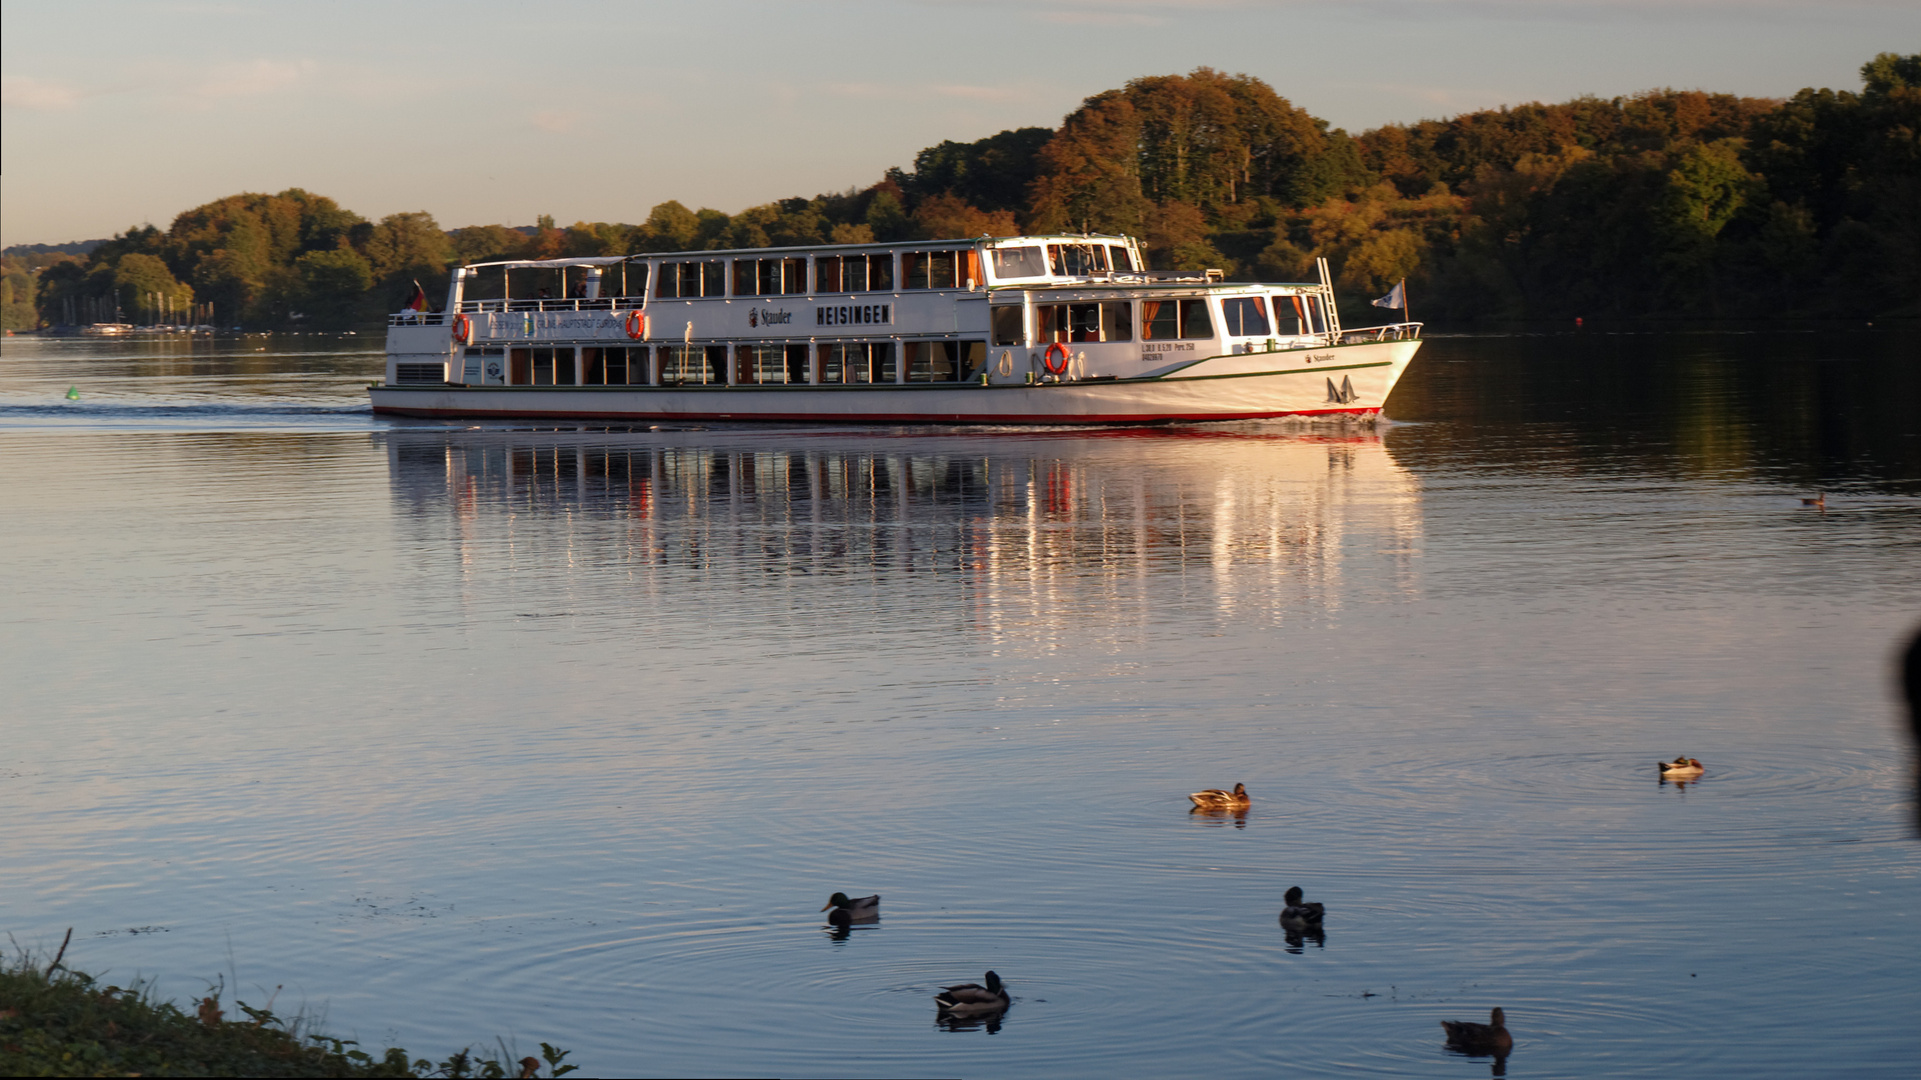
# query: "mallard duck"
[1472,1038]
[1300,914]
[1820,499]
[973,999]
[1216,799]
[1681,768]
[858,909]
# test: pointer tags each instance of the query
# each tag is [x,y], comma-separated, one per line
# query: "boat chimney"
[456,288]
[593,281]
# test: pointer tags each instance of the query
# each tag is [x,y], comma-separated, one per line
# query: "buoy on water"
[73,393]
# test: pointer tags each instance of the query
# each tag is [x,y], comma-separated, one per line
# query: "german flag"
[418,301]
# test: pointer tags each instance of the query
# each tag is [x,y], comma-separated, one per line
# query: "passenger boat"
[1052,329]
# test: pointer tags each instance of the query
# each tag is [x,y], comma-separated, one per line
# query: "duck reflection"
[1220,815]
[1299,937]
[991,1023]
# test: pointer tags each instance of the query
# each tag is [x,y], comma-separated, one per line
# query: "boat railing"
[576,303]
[1409,331]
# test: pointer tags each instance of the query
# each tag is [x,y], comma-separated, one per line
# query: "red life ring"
[636,324]
[1047,358]
[463,330]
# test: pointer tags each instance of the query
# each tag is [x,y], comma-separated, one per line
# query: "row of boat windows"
[1163,320]
[837,364]
[881,273]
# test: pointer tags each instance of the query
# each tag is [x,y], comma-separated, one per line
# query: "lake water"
[462,731]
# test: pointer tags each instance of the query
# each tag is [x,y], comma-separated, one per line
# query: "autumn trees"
[1657,204]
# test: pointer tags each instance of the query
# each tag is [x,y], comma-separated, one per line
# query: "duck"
[1216,799]
[1299,914]
[1681,768]
[1473,1038]
[973,999]
[1820,499]
[857,909]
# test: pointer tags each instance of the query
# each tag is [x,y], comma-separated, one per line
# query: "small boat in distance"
[1051,329]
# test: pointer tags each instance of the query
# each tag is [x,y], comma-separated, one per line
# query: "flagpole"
[1407,309]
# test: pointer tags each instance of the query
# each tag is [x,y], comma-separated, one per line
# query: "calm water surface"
[566,734]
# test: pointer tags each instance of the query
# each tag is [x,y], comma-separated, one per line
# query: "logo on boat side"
[854,314]
[762,316]
[1342,395]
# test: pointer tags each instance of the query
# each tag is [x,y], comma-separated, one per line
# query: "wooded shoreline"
[1666,204]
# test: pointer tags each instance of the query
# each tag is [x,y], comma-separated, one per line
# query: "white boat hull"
[1344,380]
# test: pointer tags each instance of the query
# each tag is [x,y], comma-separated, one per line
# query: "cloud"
[982,93]
[36,95]
[251,79]
[556,120]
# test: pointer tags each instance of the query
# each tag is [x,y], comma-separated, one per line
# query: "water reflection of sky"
[568,735]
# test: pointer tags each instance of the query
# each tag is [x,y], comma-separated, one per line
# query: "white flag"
[1396,297]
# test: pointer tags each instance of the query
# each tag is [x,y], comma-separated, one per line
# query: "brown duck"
[1216,799]
[1472,1038]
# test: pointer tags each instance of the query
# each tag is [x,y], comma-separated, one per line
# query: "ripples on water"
[566,734]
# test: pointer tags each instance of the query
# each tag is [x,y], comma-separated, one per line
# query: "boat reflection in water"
[1039,530]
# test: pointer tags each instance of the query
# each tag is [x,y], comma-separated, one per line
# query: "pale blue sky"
[122,113]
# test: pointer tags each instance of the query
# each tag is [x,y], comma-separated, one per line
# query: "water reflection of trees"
[1059,516]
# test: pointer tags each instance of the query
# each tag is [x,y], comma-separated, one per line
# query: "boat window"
[763,364]
[1194,320]
[940,269]
[1297,314]
[853,273]
[1017,262]
[612,367]
[1077,260]
[769,277]
[1163,320]
[944,361]
[1120,259]
[1007,323]
[857,362]
[553,367]
[1244,316]
[693,363]
[683,280]
[1110,321]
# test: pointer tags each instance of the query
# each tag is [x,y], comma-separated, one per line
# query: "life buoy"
[463,330]
[636,324]
[1047,358]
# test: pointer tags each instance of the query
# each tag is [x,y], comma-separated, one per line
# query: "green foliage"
[16,296]
[60,1022]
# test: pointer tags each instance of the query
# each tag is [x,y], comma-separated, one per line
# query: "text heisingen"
[851,314]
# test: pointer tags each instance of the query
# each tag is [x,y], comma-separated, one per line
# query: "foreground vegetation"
[55,1021]
[1678,203]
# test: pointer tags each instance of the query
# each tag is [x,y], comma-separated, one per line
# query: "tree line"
[1666,203]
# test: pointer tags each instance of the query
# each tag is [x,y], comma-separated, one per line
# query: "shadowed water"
[568,734]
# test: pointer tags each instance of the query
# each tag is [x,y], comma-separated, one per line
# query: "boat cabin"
[1027,309]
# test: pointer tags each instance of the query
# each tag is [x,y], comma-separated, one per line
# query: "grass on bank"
[55,1021]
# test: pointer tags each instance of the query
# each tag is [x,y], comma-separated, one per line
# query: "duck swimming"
[1301,915]
[973,999]
[1216,799]
[1681,768]
[1472,1038]
[847,911]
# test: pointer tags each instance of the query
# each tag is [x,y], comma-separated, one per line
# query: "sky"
[478,112]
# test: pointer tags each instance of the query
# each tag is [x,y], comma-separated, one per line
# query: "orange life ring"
[1047,358]
[636,324]
[463,330]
